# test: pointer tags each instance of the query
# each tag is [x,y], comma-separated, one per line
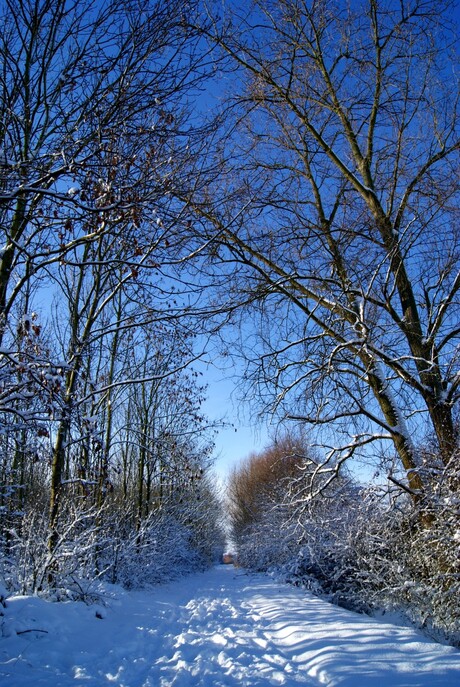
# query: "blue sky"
[243,434]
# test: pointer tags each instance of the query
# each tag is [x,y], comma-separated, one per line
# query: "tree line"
[358,545]
[100,406]
[282,178]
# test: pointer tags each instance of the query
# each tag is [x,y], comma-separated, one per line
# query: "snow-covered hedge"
[108,543]
[363,552]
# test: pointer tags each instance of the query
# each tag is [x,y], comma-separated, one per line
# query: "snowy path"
[222,627]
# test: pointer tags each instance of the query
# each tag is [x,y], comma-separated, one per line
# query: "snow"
[221,627]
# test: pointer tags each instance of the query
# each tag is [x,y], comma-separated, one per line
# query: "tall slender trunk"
[57,469]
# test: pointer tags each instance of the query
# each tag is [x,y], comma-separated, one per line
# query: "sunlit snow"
[221,627]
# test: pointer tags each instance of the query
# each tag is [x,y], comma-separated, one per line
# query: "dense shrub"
[381,559]
[110,543]
[368,549]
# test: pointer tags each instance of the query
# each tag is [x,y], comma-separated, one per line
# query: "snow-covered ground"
[222,627]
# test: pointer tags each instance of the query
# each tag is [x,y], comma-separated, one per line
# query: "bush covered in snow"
[111,543]
[367,549]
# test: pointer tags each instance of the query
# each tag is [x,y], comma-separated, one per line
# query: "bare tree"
[262,482]
[94,124]
[77,77]
[337,205]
